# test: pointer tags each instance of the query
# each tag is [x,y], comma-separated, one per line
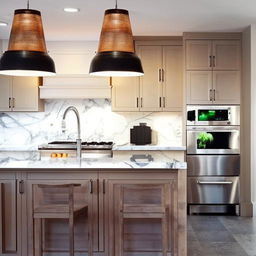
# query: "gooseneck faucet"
[63,126]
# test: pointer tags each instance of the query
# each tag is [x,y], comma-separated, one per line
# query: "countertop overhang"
[90,164]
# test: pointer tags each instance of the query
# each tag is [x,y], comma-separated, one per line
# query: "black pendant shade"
[115,63]
[116,54]
[27,54]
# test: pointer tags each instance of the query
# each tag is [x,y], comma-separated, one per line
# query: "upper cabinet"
[226,55]
[213,71]
[20,94]
[160,89]
[151,82]
[198,54]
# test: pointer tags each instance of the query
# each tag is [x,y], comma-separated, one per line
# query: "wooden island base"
[130,212]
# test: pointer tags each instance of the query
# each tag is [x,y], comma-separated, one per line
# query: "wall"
[98,123]
[248,124]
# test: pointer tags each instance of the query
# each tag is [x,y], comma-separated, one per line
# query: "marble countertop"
[131,147]
[126,147]
[89,164]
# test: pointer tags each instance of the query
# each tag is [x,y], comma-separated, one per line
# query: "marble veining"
[98,123]
[89,164]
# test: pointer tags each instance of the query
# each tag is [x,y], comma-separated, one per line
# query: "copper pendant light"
[27,54]
[116,54]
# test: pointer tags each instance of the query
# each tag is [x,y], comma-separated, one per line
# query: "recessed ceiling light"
[71,9]
[3,24]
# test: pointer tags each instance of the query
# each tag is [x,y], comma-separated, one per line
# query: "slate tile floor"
[221,236]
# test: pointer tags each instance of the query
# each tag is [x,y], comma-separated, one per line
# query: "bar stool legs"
[38,236]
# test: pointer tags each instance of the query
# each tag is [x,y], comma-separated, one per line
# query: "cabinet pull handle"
[91,186]
[141,102]
[13,102]
[160,102]
[162,75]
[159,75]
[213,61]
[104,187]
[210,94]
[210,59]
[137,102]
[10,99]
[214,94]
[164,101]
[21,187]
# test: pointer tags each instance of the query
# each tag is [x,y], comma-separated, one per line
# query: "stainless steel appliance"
[58,149]
[213,115]
[213,140]
[213,159]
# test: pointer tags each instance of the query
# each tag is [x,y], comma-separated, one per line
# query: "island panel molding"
[158,214]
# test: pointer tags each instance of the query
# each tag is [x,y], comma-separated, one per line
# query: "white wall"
[248,124]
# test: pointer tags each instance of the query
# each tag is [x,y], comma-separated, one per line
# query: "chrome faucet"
[63,126]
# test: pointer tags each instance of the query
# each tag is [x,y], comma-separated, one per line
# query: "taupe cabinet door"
[226,55]
[150,83]
[19,94]
[198,54]
[5,93]
[10,216]
[172,78]
[199,87]
[125,94]
[25,93]
[226,87]
[139,212]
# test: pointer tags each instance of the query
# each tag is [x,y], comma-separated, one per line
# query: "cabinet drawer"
[213,190]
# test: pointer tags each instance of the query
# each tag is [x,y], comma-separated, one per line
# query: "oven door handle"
[211,130]
[214,182]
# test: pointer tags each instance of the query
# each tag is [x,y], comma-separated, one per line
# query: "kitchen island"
[132,208]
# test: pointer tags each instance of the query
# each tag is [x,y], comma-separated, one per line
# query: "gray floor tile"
[215,236]
[221,236]
[248,242]
[192,235]
[230,249]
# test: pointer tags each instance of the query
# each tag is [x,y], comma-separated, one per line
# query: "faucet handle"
[63,126]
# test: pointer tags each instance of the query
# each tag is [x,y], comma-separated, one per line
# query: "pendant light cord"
[116,4]
[28,4]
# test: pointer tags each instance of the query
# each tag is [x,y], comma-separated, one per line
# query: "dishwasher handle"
[214,182]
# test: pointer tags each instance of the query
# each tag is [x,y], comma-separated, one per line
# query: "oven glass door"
[213,115]
[213,140]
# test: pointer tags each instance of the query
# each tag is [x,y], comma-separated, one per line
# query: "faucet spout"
[78,141]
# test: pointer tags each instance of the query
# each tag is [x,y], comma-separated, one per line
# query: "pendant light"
[27,54]
[116,54]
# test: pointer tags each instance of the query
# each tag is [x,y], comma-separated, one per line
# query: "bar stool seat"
[56,211]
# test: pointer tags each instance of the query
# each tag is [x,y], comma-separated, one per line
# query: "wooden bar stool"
[56,211]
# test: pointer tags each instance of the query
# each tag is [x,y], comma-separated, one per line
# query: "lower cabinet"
[127,213]
[10,215]
[141,213]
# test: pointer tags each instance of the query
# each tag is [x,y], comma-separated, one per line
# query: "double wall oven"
[213,157]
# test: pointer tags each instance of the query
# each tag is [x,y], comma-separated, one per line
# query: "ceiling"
[148,17]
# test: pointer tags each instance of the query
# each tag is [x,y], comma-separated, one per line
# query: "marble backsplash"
[98,123]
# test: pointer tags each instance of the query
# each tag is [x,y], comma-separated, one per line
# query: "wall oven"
[213,140]
[213,159]
[213,115]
